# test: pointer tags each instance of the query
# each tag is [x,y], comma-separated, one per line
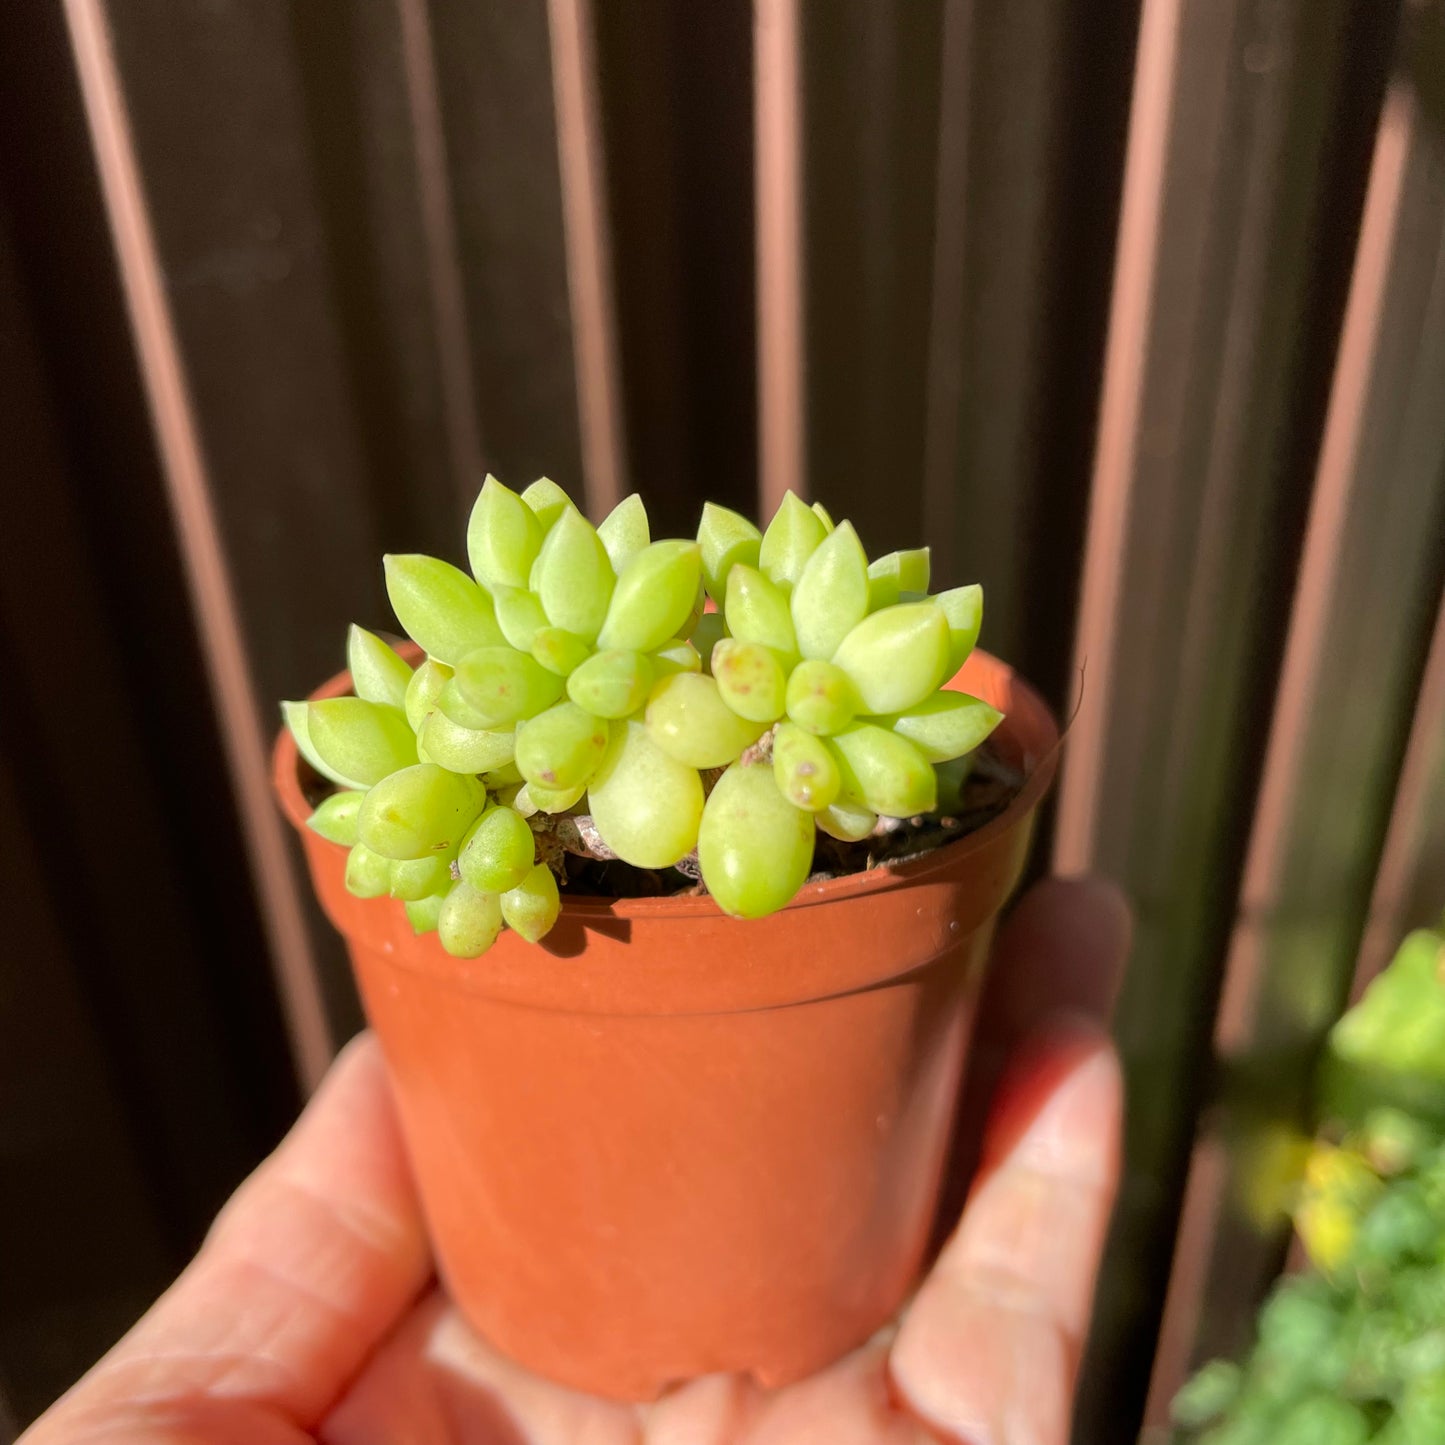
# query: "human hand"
[310,1312]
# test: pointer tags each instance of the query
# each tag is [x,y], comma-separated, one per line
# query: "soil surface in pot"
[568,840]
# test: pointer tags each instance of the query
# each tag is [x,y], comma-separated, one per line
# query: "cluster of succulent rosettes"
[702,703]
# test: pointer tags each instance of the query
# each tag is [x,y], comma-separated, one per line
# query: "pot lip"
[983,673]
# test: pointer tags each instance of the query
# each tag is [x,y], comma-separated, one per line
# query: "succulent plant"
[1354,1349]
[706,704]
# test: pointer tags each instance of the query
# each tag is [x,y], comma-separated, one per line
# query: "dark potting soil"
[988,790]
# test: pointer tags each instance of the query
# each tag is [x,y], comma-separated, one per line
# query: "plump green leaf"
[755,847]
[519,615]
[504,685]
[295,714]
[335,818]
[446,613]
[420,810]
[611,684]
[792,537]
[946,725]
[561,748]
[503,537]
[653,597]
[750,679]
[806,771]
[726,539]
[469,921]
[498,851]
[625,531]
[895,658]
[831,597]
[424,690]
[757,611]
[890,576]
[378,673]
[574,576]
[688,719]
[883,771]
[559,651]
[820,697]
[532,907]
[548,501]
[368,874]
[646,805]
[464,750]
[359,739]
[963,607]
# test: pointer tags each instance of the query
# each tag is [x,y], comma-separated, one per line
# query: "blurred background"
[1133,309]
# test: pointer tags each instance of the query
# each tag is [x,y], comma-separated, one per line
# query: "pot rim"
[985,674]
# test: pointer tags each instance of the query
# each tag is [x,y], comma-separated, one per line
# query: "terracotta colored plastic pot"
[665,1142]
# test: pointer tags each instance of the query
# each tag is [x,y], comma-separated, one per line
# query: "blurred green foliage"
[1353,1350]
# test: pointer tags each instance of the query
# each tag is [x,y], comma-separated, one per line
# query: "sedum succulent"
[709,703]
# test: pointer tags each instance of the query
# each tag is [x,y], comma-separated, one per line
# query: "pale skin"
[312,1312]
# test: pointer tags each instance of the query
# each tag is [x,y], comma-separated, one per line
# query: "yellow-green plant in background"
[1353,1350]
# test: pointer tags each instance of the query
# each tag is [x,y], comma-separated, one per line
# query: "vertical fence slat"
[444,275]
[1249,143]
[678,131]
[1410,885]
[1101,586]
[1369,584]
[777,150]
[1003,234]
[950,262]
[212,595]
[870,88]
[499,118]
[589,262]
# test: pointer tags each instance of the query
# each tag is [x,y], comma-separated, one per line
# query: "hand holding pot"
[309,1314]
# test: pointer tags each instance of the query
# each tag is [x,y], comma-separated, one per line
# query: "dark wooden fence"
[1135,311]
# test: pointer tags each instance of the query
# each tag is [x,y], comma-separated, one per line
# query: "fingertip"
[1087,906]
[1063,1090]
[1062,948]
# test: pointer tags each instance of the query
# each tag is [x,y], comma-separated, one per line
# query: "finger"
[850,1403]
[989,1351]
[307,1267]
[1062,950]
[436,1379]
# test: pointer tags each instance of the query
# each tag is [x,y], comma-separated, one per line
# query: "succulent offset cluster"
[708,703]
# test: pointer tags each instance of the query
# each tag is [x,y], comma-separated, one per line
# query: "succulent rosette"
[705,704]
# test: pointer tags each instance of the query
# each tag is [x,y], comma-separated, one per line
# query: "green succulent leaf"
[653,597]
[295,716]
[446,613]
[890,576]
[831,597]
[963,607]
[625,531]
[755,848]
[793,535]
[725,539]
[574,576]
[378,673]
[503,537]
[335,818]
[358,739]
[758,611]
[897,657]
[548,502]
